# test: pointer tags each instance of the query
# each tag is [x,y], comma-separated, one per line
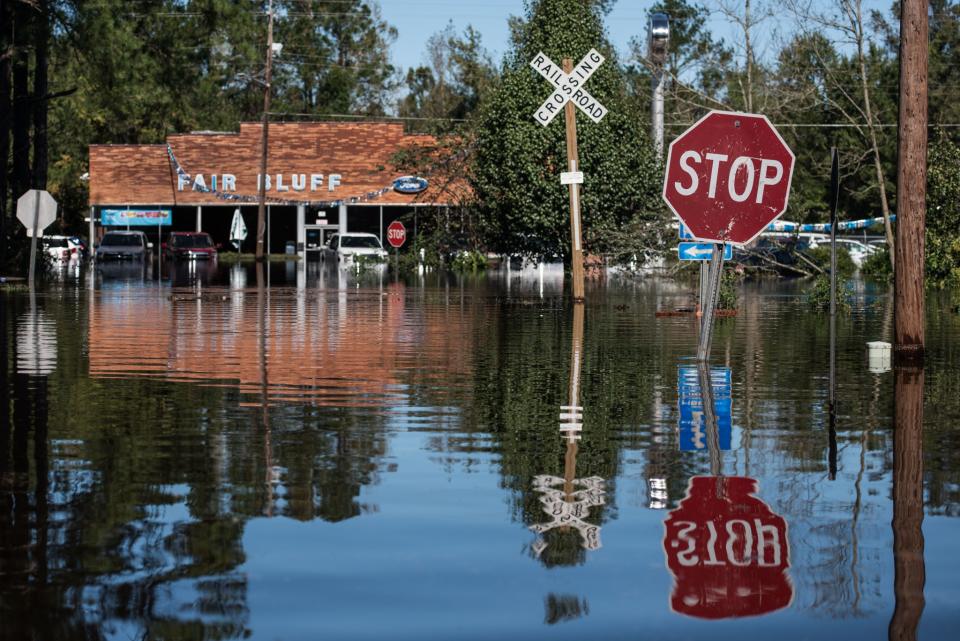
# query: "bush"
[729,281]
[877,265]
[820,256]
[468,261]
[818,296]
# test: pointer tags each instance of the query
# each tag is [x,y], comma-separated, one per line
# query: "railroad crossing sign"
[727,550]
[569,87]
[728,177]
[396,234]
[41,203]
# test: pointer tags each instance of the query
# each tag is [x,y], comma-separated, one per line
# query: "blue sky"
[417,20]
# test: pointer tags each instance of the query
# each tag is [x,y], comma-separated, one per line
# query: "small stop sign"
[396,234]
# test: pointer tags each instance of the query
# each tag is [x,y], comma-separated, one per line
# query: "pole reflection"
[728,552]
[567,500]
[908,558]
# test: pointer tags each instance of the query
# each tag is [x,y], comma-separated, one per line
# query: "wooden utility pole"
[264,136]
[911,184]
[576,255]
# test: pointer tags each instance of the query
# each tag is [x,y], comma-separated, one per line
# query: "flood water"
[346,456]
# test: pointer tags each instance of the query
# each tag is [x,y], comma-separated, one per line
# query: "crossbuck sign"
[569,87]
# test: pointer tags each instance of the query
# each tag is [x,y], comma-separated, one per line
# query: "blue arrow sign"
[693,422]
[701,251]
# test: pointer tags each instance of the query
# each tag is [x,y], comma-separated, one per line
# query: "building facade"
[322,177]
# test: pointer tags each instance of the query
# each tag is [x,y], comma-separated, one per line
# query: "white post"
[33,239]
[199,218]
[301,231]
[657,111]
[267,252]
[93,232]
[342,216]
[381,224]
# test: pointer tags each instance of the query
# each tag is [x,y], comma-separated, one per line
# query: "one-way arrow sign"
[701,251]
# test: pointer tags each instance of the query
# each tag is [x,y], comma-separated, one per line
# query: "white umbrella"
[238,229]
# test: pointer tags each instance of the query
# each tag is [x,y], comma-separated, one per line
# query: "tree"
[517,161]
[696,63]
[943,214]
[457,78]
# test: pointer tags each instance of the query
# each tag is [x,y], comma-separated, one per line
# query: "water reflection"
[908,557]
[727,550]
[218,462]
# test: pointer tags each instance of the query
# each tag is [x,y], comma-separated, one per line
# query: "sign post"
[728,177]
[569,91]
[36,209]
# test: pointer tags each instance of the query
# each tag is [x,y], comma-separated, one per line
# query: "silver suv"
[123,245]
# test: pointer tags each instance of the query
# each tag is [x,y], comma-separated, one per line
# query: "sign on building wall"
[135,217]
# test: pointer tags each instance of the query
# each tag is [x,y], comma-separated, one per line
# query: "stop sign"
[396,234]
[727,550]
[728,177]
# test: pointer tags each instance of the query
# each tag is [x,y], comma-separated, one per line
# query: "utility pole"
[264,136]
[911,184]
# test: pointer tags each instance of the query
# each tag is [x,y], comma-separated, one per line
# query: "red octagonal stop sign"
[728,177]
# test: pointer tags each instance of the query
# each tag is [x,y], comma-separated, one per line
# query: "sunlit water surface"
[344,456]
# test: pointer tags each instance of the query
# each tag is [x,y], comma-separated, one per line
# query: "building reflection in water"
[908,556]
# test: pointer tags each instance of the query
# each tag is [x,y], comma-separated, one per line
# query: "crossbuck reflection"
[567,500]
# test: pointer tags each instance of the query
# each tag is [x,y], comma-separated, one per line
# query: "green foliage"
[943,214]
[818,296]
[820,256]
[729,281]
[459,76]
[469,261]
[517,161]
[877,265]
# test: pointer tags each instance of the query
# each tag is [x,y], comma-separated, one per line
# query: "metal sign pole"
[33,239]
[713,294]
[703,286]
[710,418]
[835,193]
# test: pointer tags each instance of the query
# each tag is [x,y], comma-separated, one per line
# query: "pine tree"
[515,174]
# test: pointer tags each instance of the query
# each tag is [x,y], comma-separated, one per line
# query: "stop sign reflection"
[727,550]
[728,177]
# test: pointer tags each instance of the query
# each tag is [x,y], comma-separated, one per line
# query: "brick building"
[321,177]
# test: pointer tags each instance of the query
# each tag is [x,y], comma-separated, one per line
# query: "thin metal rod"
[713,294]
[33,238]
[832,404]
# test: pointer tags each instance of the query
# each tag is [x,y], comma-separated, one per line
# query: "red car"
[190,245]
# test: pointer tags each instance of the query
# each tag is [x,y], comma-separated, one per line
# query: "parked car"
[190,245]
[859,251]
[123,245]
[344,247]
[61,249]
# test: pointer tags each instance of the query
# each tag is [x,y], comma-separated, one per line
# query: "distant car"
[190,245]
[859,251]
[61,249]
[123,245]
[345,247]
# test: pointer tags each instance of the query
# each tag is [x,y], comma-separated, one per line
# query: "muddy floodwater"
[341,455]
